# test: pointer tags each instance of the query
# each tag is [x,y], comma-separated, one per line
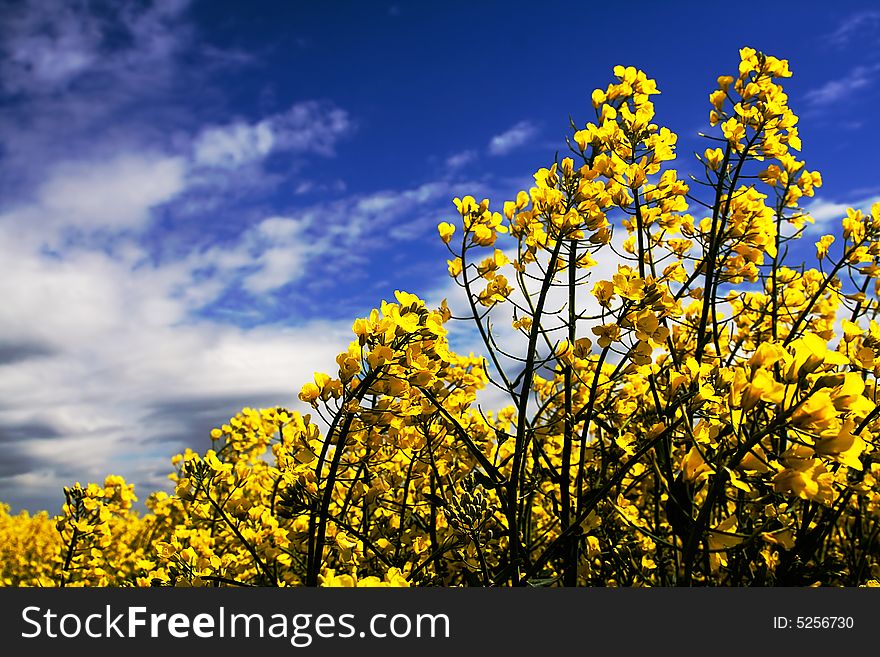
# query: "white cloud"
[285,258]
[842,88]
[278,266]
[233,145]
[333,188]
[46,46]
[106,364]
[115,194]
[265,257]
[853,26]
[377,217]
[84,81]
[122,377]
[828,214]
[46,50]
[106,368]
[52,62]
[110,360]
[826,211]
[458,160]
[309,126]
[512,138]
[278,251]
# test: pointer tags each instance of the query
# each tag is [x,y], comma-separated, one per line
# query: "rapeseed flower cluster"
[705,415]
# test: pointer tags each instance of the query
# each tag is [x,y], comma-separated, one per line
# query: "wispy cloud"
[837,90]
[308,126]
[115,194]
[98,348]
[164,265]
[333,187]
[460,159]
[229,147]
[855,26]
[83,82]
[47,46]
[827,213]
[265,257]
[107,365]
[513,138]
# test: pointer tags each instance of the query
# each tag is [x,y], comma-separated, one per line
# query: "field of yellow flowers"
[705,416]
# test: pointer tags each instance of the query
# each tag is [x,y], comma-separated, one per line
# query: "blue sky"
[197,198]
